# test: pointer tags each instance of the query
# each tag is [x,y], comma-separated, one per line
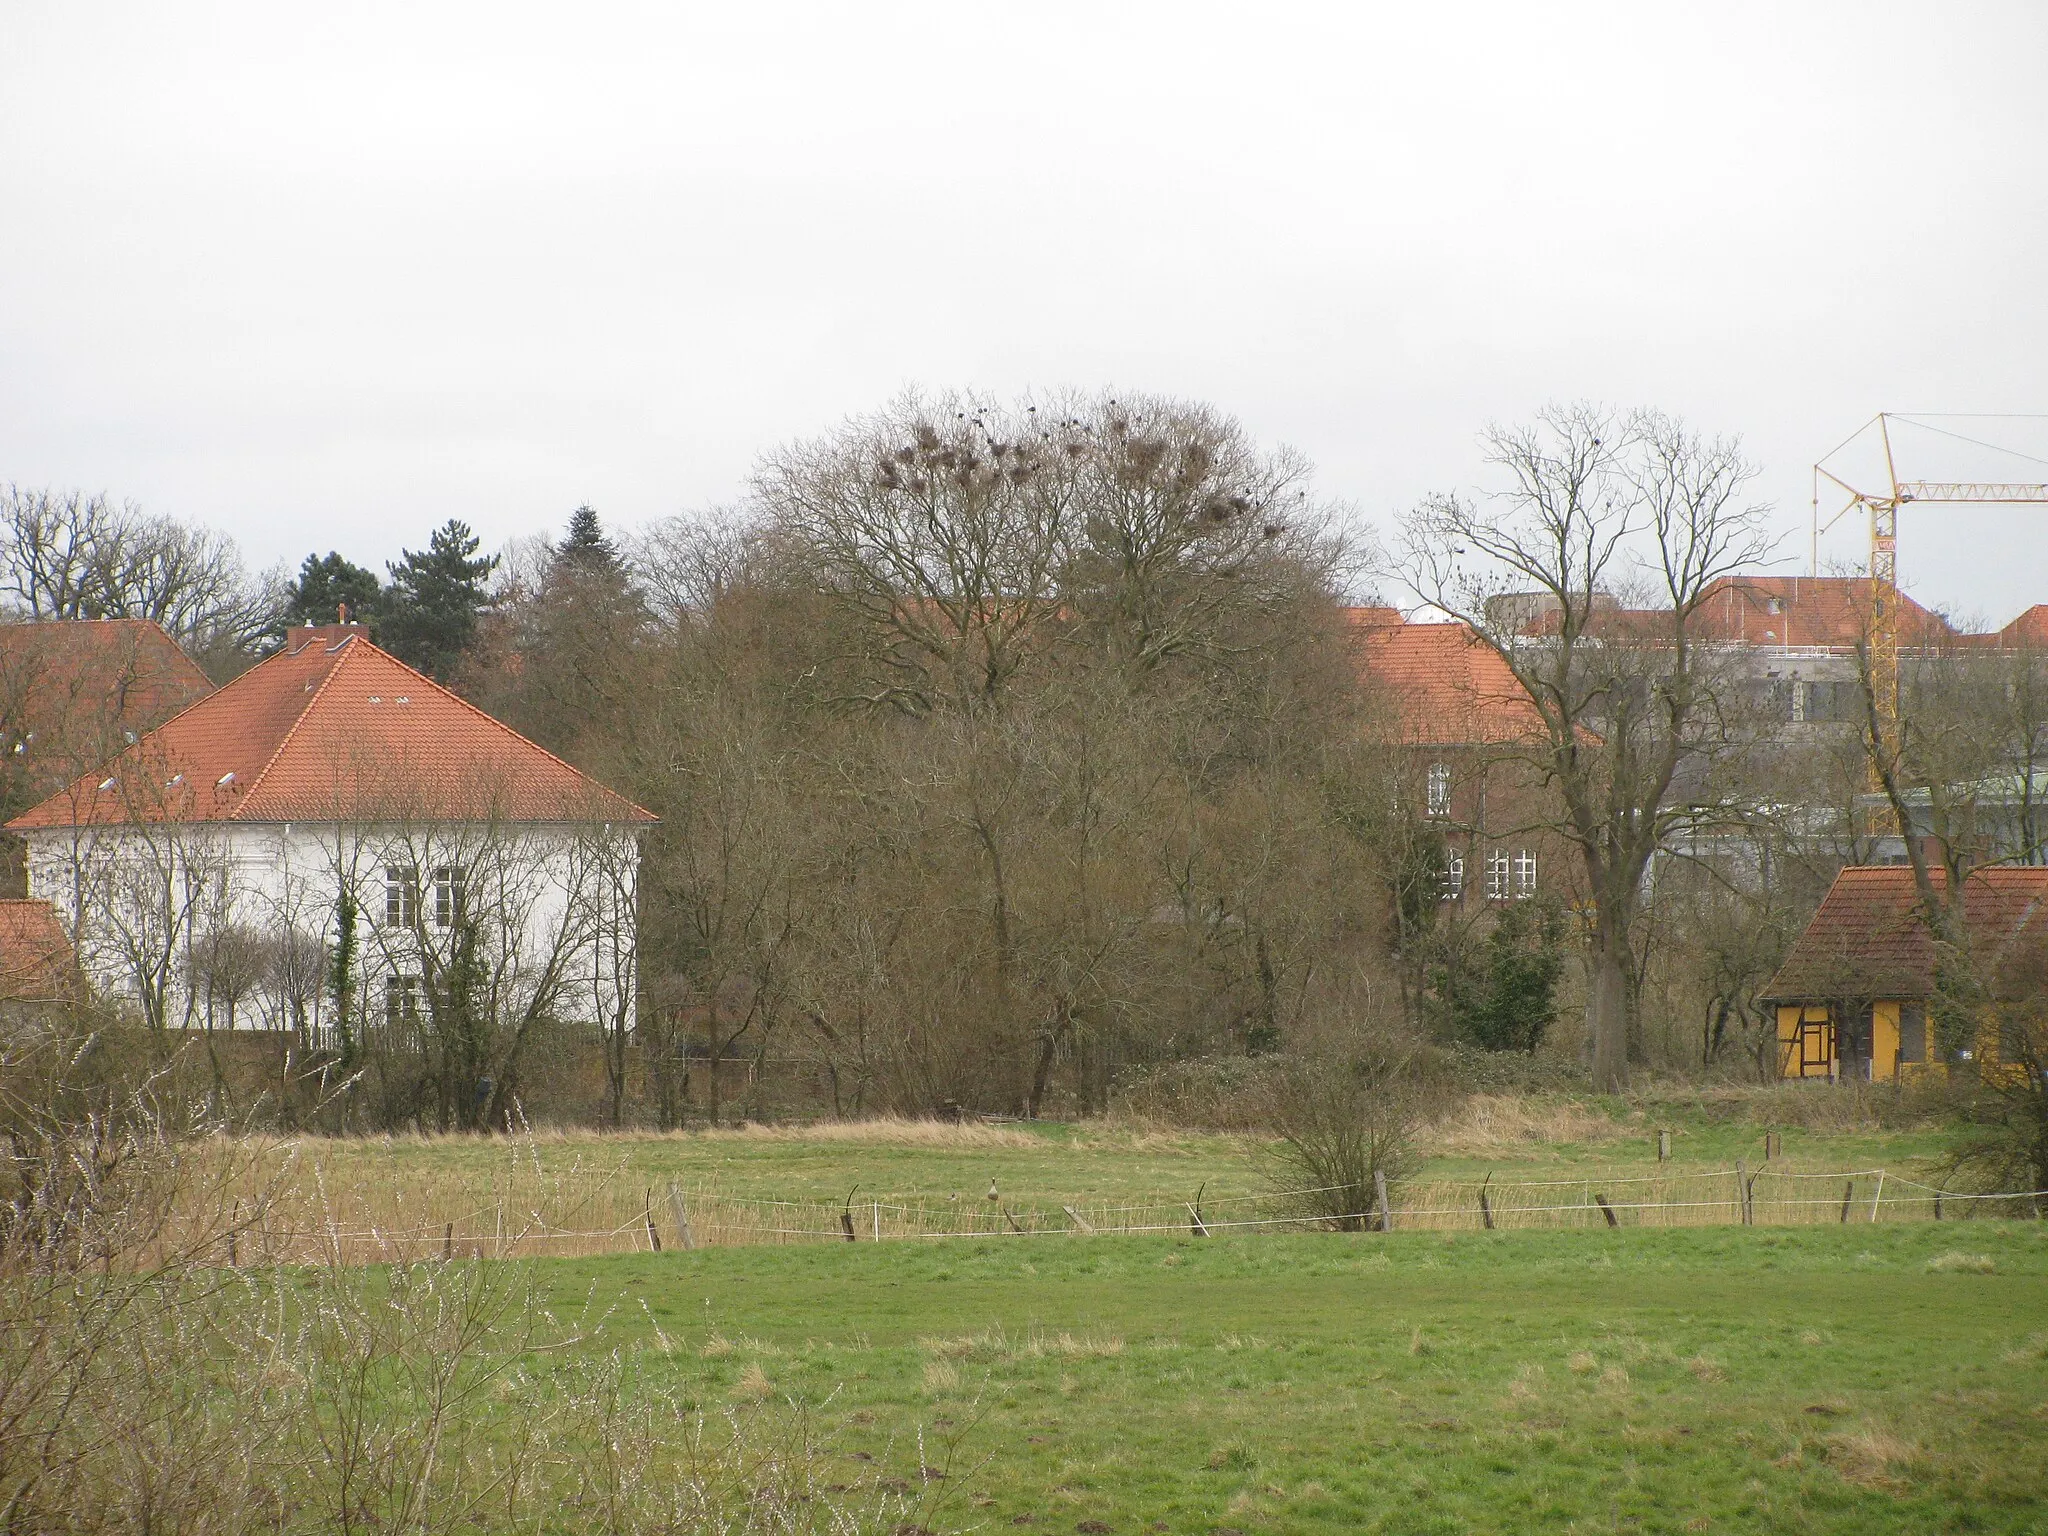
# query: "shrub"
[1506,1000]
[1340,1121]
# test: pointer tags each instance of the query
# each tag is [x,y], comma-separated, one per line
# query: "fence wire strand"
[582,1212]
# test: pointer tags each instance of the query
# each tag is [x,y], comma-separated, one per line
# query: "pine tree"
[435,598]
[586,548]
[324,583]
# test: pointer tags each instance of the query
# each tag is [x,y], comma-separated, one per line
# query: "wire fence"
[538,1212]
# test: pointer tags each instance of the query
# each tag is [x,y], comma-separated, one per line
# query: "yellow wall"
[1884,1042]
[1790,1057]
[1788,1039]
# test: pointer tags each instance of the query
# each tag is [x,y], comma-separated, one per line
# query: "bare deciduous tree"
[67,555]
[1595,506]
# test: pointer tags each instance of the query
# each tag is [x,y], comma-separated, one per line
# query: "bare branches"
[72,556]
[1594,511]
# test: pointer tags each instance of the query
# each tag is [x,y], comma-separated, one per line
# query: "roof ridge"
[489,719]
[298,720]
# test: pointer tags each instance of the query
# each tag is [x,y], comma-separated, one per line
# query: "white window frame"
[403,994]
[1437,791]
[451,895]
[1499,872]
[401,895]
[1525,874]
[1451,886]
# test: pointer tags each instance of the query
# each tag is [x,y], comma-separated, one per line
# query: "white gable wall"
[189,923]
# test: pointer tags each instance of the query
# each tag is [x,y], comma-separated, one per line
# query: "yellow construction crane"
[1883,504]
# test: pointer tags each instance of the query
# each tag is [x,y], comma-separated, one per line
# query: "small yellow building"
[1852,998]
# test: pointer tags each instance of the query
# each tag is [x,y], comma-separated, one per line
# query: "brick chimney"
[327,636]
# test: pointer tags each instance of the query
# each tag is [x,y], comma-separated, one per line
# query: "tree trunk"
[1607,1012]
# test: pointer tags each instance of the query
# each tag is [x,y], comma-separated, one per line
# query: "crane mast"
[1883,505]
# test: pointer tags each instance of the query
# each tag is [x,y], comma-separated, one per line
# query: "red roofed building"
[1451,701]
[1805,613]
[74,692]
[37,964]
[1853,995]
[2027,632]
[333,796]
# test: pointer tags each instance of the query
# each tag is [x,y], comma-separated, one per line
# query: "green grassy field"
[1047,1163]
[1889,1378]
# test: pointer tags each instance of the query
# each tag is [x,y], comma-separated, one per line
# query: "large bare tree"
[1595,510]
[68,555]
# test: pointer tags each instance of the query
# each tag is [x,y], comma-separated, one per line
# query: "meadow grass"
[583,1193]
[1888,1378]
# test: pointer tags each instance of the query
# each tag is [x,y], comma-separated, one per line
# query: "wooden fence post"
[1486,1205]
[647,1214]
[1848,1190]
[1077,1218]
[1937,1205]
[447,1242]
[1877,1194]
[846,1221]
[1608,1211]
[1772,1145]
[1663,1146]
[1379,1189]
[1742,1189]
[683,1233]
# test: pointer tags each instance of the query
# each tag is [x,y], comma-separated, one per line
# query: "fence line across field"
[584,1212]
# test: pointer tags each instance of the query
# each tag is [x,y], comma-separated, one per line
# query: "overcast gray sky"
[324,276]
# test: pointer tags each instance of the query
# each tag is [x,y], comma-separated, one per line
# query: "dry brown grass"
[1494,1123]
[1870,1456]
[1954,1263]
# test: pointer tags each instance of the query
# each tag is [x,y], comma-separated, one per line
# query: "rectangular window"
[1439,802]
[450,889]
[1499,871]
[1801,693]
[401,896]
[402,1001]
[1453,878]
[1525,875]
[1912,1033]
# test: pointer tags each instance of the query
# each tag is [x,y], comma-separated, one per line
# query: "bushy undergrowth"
[156,1375]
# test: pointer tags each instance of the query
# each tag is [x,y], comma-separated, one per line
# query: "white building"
[333,843]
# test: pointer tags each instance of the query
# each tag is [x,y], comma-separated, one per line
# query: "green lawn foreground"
[1889,1378]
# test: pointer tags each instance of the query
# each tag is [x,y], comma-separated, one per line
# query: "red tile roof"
[1445,686]
[1828,612]
[1868,939]
[71,689]
[36,961]
[332,729]
[2030,629]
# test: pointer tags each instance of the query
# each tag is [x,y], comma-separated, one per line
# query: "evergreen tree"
[1508,1000]
[324,583]
[435,598]
[586,548]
